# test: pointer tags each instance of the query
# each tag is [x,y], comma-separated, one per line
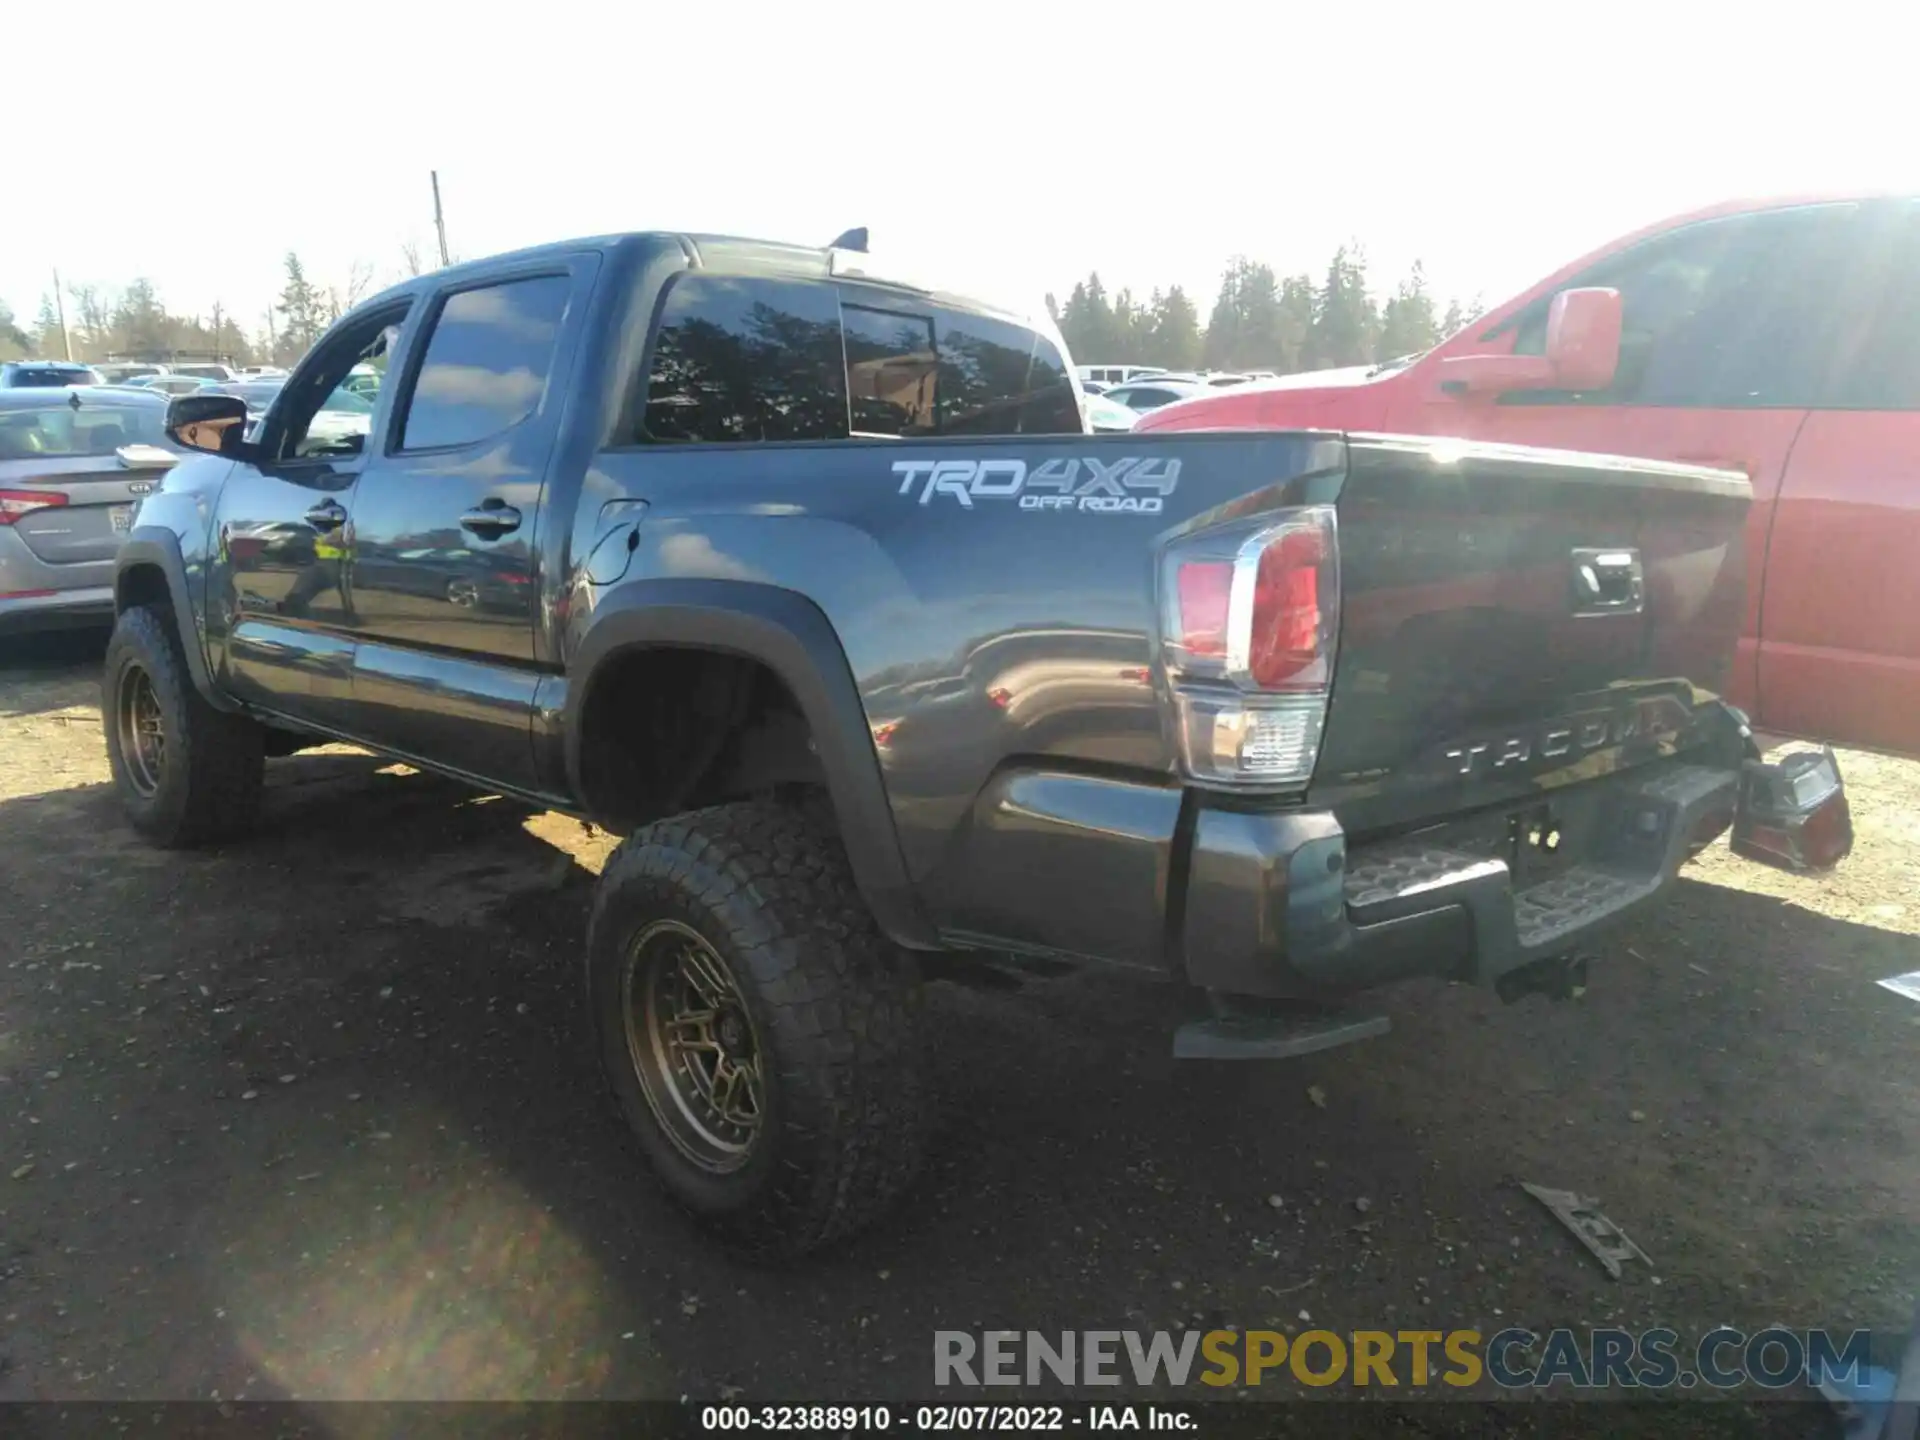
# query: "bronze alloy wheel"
[693,1046]
[143,736]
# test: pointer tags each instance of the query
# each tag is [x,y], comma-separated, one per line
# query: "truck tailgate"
[1516,620]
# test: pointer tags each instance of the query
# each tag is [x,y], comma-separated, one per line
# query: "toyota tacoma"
[808,580]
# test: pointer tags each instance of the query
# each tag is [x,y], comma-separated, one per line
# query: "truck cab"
[1777,338]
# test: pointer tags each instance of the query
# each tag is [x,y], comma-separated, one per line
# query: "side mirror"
[215,423]
[1583,351]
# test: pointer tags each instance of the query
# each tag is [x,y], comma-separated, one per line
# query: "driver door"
[280,596]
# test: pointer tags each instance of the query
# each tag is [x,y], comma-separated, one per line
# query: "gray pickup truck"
[810,582]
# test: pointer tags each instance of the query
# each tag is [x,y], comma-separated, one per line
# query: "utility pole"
[439,220]
[60,308]
[216,330]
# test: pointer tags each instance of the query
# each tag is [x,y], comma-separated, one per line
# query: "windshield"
[59,430]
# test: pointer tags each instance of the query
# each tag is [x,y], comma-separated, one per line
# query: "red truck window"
[1883,371]
[1728,312]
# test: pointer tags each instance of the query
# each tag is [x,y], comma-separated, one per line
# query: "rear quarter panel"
[986,623]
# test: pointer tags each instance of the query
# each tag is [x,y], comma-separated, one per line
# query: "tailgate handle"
[1608,581]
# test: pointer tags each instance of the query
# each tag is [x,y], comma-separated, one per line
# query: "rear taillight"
[1250,616]
[15,503]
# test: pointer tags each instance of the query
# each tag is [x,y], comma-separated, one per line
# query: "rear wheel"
[757,1030]
[186,772]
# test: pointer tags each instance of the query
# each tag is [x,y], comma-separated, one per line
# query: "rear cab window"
[760,359]
[59,430]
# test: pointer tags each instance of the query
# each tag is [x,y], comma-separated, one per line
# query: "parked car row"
[1145,388]
[172,379]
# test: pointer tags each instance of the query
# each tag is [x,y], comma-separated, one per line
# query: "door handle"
[491,519]
[327,515]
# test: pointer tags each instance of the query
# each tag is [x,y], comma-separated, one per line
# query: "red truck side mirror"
[1582,351]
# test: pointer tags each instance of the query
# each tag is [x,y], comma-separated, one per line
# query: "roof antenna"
[855,239]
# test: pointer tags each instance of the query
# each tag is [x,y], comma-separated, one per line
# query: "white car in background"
[1144,395]
[1104,417]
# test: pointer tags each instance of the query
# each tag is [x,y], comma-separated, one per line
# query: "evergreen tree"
[1344,320]
[1225,330]
[47,340]
[1295,324]
[1087,324]
[1407,322]
[1175,331]
[300,310]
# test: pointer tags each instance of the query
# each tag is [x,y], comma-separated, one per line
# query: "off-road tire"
[834,1003]
[209,782]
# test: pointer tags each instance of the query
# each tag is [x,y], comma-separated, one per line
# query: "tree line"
[102,322]
[1259,321]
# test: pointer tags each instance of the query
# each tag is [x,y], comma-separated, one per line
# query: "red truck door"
[1726,337]
[1840,627]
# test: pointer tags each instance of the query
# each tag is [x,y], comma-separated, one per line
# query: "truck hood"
[1341,399]
[1341,377]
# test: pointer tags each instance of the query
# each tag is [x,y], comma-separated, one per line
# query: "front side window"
[304,415]
[1729,312]
[487,361]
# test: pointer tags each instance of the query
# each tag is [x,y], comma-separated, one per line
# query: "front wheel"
[756,1028]
[186,772]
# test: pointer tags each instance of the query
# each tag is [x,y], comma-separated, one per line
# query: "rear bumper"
[1280,905]
[60,609]
[36,594]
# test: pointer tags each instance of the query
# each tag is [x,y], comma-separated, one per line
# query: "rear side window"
[759,360]
[1883,366]
[738,360]
[1003,379]
[915,370]
[893,373]
[59,431]
[487,362]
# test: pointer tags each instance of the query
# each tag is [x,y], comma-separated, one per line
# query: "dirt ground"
[316,1116]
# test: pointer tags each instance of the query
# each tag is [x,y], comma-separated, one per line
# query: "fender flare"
[158,546]
[793,638]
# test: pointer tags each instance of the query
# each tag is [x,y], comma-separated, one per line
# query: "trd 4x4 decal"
[1135,485]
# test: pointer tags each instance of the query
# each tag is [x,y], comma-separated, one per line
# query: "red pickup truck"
[1780,338]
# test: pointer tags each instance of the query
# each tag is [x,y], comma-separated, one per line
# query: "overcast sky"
[1007,148]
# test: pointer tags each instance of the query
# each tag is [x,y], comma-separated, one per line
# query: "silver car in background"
[74,463]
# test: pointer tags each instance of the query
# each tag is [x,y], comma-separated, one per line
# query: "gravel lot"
[317,1116]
